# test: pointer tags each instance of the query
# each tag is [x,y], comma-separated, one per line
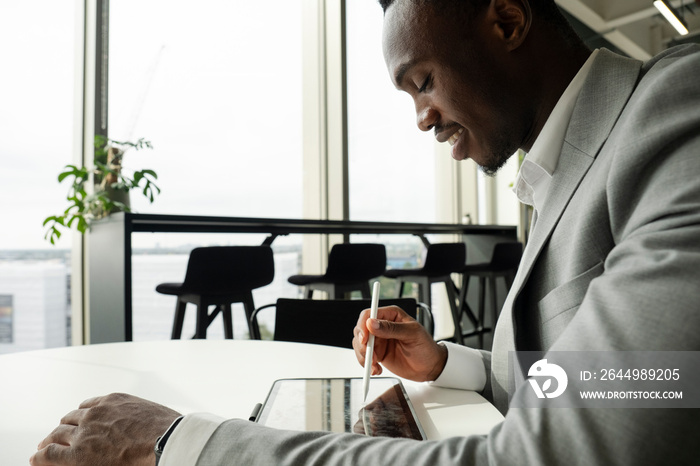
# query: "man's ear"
[512,21]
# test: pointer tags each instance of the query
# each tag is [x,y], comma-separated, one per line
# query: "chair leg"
[202,321]
[249,306]
[399,288]
[338,291]
[309,292]
[424,292]
[210,317]
[456,315]
[464,305]
[482,305]
[365,291]
[179,319]
[228,321]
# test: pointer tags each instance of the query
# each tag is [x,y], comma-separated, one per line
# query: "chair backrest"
[445,258]
[506,256]
[323,321]
[355,262]
[220,270]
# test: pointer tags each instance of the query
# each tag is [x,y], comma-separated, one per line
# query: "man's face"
[461,82]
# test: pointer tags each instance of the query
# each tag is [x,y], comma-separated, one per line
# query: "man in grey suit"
[613,263]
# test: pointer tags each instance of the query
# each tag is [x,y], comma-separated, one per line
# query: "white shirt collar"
[536,171]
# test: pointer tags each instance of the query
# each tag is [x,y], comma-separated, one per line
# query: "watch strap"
[163,439]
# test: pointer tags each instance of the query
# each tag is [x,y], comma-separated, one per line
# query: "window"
[36,117]
[391,162]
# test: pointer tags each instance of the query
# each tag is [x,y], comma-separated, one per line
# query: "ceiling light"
[672,16]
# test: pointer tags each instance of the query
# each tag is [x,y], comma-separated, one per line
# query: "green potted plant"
[110,183]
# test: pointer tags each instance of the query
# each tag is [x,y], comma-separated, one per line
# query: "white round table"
[224,377]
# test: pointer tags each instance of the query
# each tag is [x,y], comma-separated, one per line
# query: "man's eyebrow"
[401,72]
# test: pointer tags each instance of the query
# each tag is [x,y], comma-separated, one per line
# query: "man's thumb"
[388,329]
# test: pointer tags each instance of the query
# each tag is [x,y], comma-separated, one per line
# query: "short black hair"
[438,4]
[545,9]
[538,5]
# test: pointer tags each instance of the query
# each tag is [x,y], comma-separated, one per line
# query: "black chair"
[441,260]
[329,322]
[504,264]
[219,276]
[350,268]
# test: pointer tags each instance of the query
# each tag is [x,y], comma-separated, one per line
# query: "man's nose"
[426,118]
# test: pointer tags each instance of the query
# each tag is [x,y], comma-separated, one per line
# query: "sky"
[36,114]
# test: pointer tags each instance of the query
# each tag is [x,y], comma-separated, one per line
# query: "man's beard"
[501,151]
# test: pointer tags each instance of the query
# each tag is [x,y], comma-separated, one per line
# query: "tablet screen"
[336,405]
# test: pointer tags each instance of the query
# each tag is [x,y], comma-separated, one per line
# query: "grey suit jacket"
[613,263]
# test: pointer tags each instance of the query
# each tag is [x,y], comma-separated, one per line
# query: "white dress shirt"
[188,439]
[465,367]
[532,183]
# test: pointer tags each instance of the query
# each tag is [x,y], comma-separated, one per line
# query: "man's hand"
[401,344]
[112,430]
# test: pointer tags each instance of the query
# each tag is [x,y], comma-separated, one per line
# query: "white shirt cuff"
[464,368]
[189,438]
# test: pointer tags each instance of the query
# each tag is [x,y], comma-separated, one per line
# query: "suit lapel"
[607,89]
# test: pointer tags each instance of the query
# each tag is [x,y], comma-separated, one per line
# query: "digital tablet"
[336,405]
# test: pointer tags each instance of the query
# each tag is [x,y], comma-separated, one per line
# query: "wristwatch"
[163,439]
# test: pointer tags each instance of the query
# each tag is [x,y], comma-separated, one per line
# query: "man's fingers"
[393,330]
[51,454]
[393,313]
[361,322]
[360,348]
[360,336]
[74,417]
[61,435]
[376,367]
[90,402]
[388,313]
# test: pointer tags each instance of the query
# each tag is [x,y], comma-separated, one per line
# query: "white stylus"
[370,341]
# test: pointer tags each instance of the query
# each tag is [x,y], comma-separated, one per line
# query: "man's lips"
[450,134]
